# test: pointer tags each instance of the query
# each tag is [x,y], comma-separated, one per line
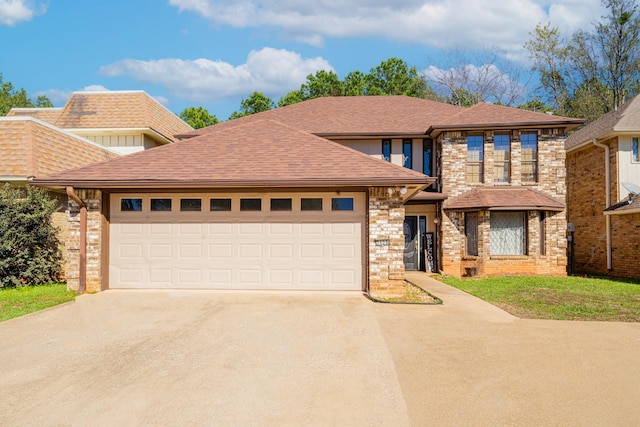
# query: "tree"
[595,71]
[355,84]
[29,247]
[11,97]
[395,77]
[536,105]
[292,97]
[256,103]
[322,83]
[198,117]
[459,82]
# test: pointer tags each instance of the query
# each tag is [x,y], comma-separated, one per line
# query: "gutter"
[608,201]
[82,287]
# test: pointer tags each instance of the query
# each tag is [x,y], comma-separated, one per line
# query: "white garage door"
[252,241]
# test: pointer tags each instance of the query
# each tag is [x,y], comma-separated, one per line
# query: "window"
[635,156]
[508,233]
[501,157]
[314,204]
[190,205]
[471,232]
[386,150]
[342,204]
[220,205]
[543,237]
[427,157]
[407,151]
[475,158]
[250,204]
[280,204]
[160,205]
[529,162]
[130,205]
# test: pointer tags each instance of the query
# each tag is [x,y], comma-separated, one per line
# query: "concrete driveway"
[216,358]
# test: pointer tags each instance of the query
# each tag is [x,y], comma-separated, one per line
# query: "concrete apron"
[201,358]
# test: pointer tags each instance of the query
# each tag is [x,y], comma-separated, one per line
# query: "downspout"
[608,201]
[82,287]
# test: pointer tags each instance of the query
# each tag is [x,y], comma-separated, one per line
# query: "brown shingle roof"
[504,198]
[630,204]
[486,115]
[49,115]
[625,118]
[260,153]
[120,109]
[30,147]
[354,115]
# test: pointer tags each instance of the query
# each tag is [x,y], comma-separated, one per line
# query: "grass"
[559,298]
[27,299]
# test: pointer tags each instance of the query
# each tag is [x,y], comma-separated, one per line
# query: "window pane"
[508,233]
[407,153]
[311,204]
[342,204]
[427,153]
[529,143]
[190,205]
[250,204]
[635,155]
[386,150]
[501,157]
[471,232]
[280,204]
[475,158]
[130,205]
[220,205]
[543,233]
[160,205]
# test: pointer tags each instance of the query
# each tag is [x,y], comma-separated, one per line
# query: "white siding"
[628,169]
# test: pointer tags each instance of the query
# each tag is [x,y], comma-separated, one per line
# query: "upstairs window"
[501,157]
[407,153]
[529,143]
[475,158]
[427,157]
[386,150]
[635,156]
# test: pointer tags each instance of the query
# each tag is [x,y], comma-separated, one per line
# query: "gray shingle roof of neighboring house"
[625,119]
[504,198]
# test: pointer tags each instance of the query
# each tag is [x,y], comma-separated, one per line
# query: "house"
[339,193]
[92,127]
[603,182]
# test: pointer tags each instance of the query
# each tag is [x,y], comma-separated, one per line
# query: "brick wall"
[93,200]
[586,183]
[386,242]
[551,181]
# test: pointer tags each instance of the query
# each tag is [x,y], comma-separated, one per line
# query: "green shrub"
[29,246]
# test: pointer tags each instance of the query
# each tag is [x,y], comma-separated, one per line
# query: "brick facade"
[95,235]
[386,242]
[587,201]
[551,182]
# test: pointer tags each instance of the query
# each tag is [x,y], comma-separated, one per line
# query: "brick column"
[386,242]
[93,200]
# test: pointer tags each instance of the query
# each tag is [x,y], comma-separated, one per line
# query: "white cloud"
[94,88]
[271,71]
[60,96]
[439,23]
[14,11]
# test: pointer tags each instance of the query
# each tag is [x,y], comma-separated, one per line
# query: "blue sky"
[213,53]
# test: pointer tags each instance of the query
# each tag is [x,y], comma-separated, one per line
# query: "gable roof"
[485,115]
[30,147]
[112,110]
[353,115]
[261,153]
[504,198]
[625,119]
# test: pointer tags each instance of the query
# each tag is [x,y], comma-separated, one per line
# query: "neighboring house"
[124,121]
[339,193]
[603,176]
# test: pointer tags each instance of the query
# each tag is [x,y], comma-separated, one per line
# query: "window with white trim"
[635,155]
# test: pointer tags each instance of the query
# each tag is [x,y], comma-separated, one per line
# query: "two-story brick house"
[603,167]
[467,191]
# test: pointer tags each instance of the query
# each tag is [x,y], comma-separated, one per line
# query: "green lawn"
[561,298]
[20,301]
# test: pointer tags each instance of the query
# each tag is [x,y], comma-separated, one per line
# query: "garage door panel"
[231,250]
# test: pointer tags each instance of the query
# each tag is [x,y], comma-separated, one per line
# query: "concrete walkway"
[257,358]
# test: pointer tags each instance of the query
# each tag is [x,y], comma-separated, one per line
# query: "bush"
[29,245]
